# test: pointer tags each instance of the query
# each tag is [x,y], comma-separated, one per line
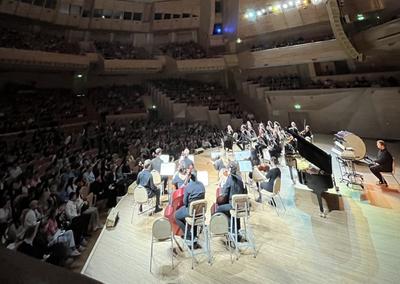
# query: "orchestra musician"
[145,179]
[179,178]
[218,163]
[195,190]
[185,162]
[243,138]
[233,185]
[383,163]
[293,127]
[272,173]
[156,165]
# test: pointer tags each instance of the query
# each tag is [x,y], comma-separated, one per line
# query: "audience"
[299,40]
[294,82]
[195,93]
[185,50]
[11,38]
[117,50]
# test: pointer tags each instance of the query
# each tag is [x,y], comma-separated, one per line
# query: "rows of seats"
[30,108]
[46,174]
[294,82]
[118,50]
[117,99]
[292,42]
[184,50]
[195,93]
[11,38]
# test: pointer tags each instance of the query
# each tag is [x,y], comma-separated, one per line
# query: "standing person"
[195,190]
[233,185]
[383,163]
[145,179]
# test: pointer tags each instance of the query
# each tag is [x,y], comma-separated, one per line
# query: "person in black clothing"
[383,163]
[272,174]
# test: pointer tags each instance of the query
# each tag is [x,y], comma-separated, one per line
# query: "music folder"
[214,155]
[167,169]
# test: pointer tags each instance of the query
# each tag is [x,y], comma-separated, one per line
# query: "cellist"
[195,190]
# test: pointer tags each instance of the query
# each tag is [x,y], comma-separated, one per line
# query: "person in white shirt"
[79,222]
[88,175]
[33,215]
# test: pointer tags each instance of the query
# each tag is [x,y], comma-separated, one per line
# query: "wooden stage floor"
[358,243]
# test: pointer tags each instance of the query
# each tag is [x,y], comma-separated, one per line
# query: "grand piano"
[314,168]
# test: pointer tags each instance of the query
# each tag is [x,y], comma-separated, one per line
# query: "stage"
[359,241]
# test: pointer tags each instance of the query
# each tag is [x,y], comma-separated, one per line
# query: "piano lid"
[313,154]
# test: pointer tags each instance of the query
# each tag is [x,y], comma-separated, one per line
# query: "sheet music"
[242,155]
[245,166]
[167,169]
[202,176]
[164,158]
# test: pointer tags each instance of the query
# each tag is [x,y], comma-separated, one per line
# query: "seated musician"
[243,138]
[272,173]
[179,178]
[218,163]
[145,179]
[156,165]
[383,163]
[293,127]
[233,185]
[185,161]
[307,132]
[195,190]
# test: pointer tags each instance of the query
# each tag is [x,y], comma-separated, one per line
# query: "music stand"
[202,176]
[242,155]
[164,158]
[167,169]
[245,166]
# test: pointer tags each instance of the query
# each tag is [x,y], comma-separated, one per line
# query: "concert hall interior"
[199,141]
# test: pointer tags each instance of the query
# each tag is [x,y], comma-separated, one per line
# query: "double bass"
[175,203]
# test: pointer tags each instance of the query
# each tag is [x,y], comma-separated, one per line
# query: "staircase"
[341,37]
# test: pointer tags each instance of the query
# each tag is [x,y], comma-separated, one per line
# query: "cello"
[175,203]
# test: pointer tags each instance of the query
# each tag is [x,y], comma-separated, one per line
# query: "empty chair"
[273,196]
[161,232]
[241,210]
[218,227]
[392,173]
[196,218]
[131,188]
[141,198]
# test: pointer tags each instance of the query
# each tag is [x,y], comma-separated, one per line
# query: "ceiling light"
[285,6]
[270,8]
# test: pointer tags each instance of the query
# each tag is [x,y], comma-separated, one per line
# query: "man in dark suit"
[383,163]
[156,165]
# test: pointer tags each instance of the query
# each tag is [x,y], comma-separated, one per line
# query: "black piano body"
[319,178]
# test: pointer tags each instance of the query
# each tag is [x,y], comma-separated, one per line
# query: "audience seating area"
[117,50]
[182,51]
[299,40]
[294,82]
[25,109]
[195,93]
[117,99]
[36,41]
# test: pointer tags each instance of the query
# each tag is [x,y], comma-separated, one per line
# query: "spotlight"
[263,11]
[246,16]
[250,14]
[291,4]
[278,7]
[270,8]
[285,6]
[154,107]
[79,76]
[238,40]
[298,2]
[259,13]
[297,106]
